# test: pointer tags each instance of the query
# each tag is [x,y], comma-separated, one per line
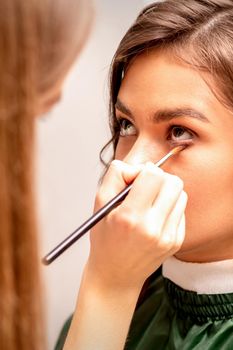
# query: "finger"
[163,204]
[181,232]
[145,188]
[173,230]
[167,198]
[118,176]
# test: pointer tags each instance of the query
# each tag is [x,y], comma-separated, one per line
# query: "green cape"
[172,318]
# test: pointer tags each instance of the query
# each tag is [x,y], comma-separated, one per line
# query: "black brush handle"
[86,226]
[92,221]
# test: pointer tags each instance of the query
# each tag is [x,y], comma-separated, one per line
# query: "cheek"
[119,154]
[123,148]
[210,191]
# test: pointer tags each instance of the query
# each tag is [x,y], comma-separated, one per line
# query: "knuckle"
[151,231]
[150,226]
[177,182]
[125,218]
[169,240]
[185,195]
[166,242]
[177,244]
[151,169]
[100,198]
[113,166]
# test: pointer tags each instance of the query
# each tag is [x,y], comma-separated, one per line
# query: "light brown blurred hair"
[39,40]
[198,32]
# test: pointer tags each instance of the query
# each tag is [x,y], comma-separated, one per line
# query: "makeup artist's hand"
[134,239]
[126,247]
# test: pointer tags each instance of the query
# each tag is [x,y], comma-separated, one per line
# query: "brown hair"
[198,32]
[39,40]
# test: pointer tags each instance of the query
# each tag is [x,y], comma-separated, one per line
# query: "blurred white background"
[68,167]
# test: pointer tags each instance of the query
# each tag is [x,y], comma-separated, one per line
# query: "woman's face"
[161,104]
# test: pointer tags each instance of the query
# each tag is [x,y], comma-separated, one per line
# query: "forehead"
[157,80]
[158,74]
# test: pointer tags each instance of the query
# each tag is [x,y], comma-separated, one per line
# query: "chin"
[191,250]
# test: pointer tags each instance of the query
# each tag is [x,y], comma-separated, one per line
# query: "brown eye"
[179,133]
[126,127]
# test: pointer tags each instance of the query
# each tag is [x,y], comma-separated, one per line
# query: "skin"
[157,81]
[126,247]
[149,225]
[122,253]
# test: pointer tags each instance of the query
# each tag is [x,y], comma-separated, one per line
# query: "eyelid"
[121,126]
[178,142]
[120,116]
[171,126]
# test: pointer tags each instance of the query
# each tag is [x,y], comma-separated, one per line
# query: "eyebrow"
[167,114]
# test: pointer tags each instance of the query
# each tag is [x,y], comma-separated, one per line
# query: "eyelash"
[169,131]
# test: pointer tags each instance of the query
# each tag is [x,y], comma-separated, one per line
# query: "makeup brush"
[102,212]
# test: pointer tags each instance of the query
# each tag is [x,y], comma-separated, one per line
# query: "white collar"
[203,278]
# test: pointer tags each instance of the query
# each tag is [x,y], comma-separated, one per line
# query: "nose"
[144,151]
